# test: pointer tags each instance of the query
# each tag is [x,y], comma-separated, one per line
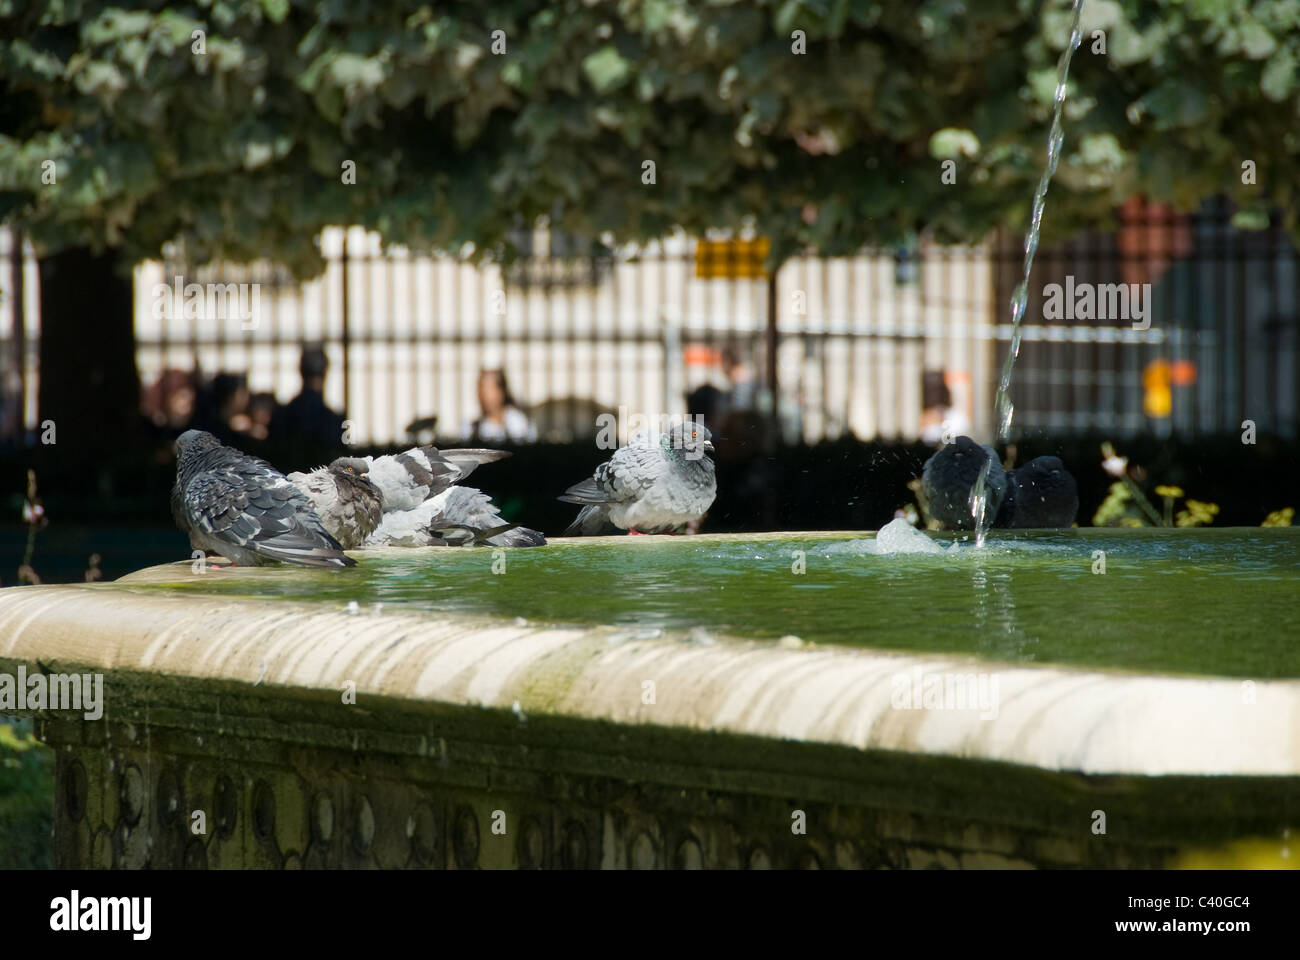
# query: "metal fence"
[826,348]
[1222,342]
[638,328]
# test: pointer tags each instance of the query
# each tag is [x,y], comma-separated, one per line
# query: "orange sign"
[732,259]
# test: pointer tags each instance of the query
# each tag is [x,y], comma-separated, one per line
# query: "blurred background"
[827,384]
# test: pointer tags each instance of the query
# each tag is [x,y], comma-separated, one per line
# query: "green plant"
[1279,518]
[26,798]
[1126,505]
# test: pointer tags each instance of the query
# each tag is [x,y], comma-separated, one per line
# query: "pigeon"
[1041,494]
[349,505]
[648,487]
[950,476]
[408,479]
[244,509]
[458,516]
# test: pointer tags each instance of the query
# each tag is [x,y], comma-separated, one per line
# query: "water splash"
[896,537]
[1005,408]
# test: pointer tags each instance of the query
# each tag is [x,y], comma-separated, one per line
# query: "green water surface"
[1216,601]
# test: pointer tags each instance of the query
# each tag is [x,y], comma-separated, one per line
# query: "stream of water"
[1004,407]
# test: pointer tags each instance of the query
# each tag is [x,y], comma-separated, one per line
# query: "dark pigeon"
[244,509]
[649,487]
[1041,494]
[949,477]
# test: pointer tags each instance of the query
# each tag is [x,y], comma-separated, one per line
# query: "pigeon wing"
[252,506]
[465,459]
[625,476]
[408,479]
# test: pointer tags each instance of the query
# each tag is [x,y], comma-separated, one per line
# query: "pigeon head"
[357,465]
[193,442]
[689,439]
[1044,466]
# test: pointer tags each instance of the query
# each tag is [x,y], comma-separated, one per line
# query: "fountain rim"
[1091,721]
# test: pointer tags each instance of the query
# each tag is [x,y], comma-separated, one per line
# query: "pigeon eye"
[694,435]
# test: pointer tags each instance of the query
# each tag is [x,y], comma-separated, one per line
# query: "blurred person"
[939,418]
[710,403]
[222,408]
[261,411]
[167,406]
[501,421]
[168,403]
[306,420]
[744,389]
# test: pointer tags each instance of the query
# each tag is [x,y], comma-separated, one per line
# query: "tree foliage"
[239,151]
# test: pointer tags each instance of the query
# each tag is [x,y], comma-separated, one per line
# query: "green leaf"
[1251,218]
[1176,104]
[1256,41]
[276,10]
[1278,78]
[952,143]
[606,69]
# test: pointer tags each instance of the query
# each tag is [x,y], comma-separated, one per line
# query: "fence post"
[347,332]
[18,417]
[771,342]
[774,440]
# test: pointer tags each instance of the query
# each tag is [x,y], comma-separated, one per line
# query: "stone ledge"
[1089,721]
[232,708]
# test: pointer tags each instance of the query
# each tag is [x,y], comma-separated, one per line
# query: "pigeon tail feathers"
[591,520]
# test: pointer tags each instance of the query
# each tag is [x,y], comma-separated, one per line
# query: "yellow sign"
[1157,378]
[732,259]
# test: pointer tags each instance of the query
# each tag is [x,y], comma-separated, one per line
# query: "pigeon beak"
[708,446]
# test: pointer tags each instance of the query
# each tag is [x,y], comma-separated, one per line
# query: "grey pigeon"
[408,479]
[648,487]
[1042,494]
[950,476]
[349,505]
[246,510]
[458,516]
[422,506]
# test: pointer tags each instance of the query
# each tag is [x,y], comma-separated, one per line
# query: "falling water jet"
[979,502]
[1004,406]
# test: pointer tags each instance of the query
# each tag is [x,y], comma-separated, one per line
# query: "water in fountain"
[1212,601]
